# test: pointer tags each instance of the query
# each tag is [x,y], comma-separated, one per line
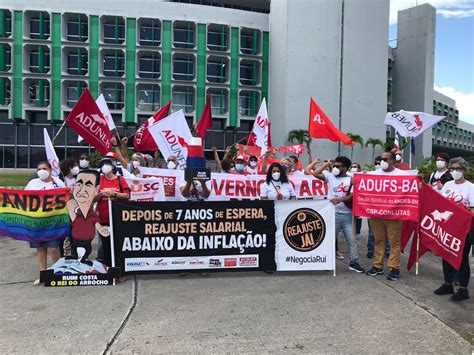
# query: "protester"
[45,182]
[172,163]
[229,163]
[227,166]
[399,164]
[461,192]
[276,185]
[135,164]
[252,166]
[196,190]
[111,187]
[290,166]
[377,161]
[69,170]
[384,227]
[442,175]
[84,161]
[240,163]
[340,195]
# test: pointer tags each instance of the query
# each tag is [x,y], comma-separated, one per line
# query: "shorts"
[49,244]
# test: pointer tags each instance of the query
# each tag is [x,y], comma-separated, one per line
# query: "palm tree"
[299,135]
[356,139]
[374,142]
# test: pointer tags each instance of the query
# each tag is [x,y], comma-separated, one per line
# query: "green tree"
[357,140]
[300,136]
[374,142]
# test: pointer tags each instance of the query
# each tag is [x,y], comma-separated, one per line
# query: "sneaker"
[354,266]
[394,275]
[374,271]
[370,254]
[444,289]
[461,295]
[37,282]
[387,254]
[339,256]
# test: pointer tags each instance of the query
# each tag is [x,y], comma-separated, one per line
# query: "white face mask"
[354,170]
[276,176]
[377,166]
[171,165]
[398,157]
[457,175]
[75,170]
[43,174]
[440,164]
[136,164]
[239,167]
[83,163]
[336,171]
[106,169]
[384,165]
[232,170]
[253,164]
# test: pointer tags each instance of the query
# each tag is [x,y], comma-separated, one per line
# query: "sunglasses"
[84,159]
[336,166]
[385,160]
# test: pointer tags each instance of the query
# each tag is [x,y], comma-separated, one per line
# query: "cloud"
[445,8]
[464,102]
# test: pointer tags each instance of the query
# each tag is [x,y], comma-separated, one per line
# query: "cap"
[111,155]
[240,157]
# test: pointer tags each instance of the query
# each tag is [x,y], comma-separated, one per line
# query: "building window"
[77,29]
[150,33]
[248,72]
[183,67]
[113,94]
[183,35]
[114,64]
[39,60]
[219,101]
[77,63]
[5,92]
[5,23]
[248,103]
[217,69]
[249,41]
[6,55]
[148,97]
[183,99]
[73,92]
[114,31]
[149,65]
[217,38]
[39,93]
[39,27]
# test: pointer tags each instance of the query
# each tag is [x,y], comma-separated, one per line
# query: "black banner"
[151,237]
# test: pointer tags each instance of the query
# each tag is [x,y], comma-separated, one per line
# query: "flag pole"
[57,134]
[409,142]
[417,264]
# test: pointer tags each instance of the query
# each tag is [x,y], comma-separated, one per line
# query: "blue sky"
[454,58]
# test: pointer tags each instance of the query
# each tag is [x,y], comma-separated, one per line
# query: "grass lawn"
[14,180]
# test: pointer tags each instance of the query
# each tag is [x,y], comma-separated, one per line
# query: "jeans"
[371,241]
[344,222]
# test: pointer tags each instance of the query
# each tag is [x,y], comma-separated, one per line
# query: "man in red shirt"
[84,220]
[399,164]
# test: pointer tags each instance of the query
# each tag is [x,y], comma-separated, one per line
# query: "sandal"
[37,282]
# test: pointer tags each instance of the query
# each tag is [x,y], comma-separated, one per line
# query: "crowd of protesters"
[384,236]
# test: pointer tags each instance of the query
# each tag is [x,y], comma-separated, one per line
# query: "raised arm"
[118,151]
[216,158]
[317,172]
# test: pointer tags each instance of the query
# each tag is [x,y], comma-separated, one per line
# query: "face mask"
[106,169]
[276,176]
[377,166]
[75,170]
[457,175]
[440,164]
[398,157]
[336,171]
[384,165]
[136,164]
[354,170]
[232,169]
[43,174]
[83,163]
[171,165]
[239,167]
[253,164]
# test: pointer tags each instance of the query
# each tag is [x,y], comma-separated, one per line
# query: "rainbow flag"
[34,216]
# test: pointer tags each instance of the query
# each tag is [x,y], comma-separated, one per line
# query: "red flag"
[443,226]
[87,120]
[206,120]
[295,149]
[143,141]
[248,149]
[320,126]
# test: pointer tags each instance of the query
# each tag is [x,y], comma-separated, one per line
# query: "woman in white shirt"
[45,182]
[461,192]
[69,169]
[277,186]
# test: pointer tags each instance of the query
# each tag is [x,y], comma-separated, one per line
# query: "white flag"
[102,104]
[172,136]
[411,124]
[260,127]
[51,155]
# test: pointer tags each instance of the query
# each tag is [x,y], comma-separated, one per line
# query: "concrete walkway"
[231,312]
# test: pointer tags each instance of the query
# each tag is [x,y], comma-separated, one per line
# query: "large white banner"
[411,124]
[172,135]
[51,155]
[305,236]
[233,186]
[150,189]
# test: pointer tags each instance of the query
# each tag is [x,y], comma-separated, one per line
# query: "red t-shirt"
[402,166]
[84,228]
[103,204]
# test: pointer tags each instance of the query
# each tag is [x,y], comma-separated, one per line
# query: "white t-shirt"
[198,195]
[394,172]
[437,185]
[253,171]
[38,184]
[338,188]
[462,194]
[270,190]
[69,182]
[297,173]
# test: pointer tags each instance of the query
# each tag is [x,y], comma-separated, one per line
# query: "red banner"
[87,120]
[295,149]
[386,196]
